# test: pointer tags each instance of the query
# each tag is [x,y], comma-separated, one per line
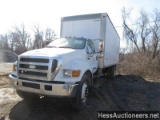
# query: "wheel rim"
[84,92]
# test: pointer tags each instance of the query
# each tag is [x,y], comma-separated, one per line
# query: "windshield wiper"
[51,47]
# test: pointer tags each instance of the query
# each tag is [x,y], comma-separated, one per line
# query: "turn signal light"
[13,68]
[75,73]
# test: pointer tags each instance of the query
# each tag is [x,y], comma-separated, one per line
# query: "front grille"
[33,73]
[37,68]
[34,60]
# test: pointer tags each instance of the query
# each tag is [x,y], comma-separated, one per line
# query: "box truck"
[88,48]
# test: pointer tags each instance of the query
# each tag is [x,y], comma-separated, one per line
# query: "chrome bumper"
[43,88]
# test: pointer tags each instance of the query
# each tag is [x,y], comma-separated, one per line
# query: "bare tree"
[4,42]
[145,33]
[143,29]
[49,34]
[130,34]
[20,39]
[38,34]
[155,28]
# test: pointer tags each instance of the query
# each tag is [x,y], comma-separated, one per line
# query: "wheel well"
[88,73]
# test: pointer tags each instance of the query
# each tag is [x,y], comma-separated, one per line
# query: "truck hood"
[52,52]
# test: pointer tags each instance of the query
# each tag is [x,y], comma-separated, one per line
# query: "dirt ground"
[124,93]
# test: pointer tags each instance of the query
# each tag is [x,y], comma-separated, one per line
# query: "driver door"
[92,56]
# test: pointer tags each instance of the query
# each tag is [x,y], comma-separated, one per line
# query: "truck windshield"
[74,43]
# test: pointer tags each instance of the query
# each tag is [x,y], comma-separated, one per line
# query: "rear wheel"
[109,72]
[80,101]
[106,72]
[113,72]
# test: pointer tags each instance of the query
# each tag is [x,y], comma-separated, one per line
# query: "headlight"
[71,73]
[67,73]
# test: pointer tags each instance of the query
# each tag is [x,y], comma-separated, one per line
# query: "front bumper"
[44,88]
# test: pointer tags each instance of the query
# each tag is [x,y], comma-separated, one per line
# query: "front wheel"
[80,101]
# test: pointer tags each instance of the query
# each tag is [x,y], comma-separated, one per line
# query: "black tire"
[110,72]
[107,72]
[113,72]
[80,101]
[27,96]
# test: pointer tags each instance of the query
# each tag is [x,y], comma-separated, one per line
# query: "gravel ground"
[124,93]
[5,68]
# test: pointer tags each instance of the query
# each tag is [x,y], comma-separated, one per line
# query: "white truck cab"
[89,46]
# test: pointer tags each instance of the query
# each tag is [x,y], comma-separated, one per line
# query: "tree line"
[19,40]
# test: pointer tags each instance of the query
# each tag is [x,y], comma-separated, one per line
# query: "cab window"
[90,47]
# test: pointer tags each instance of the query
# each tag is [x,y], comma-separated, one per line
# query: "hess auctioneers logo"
[32,66]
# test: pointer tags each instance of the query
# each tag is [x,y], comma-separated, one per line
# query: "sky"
[48,13]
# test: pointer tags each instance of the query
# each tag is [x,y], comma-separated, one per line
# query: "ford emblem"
[32,67]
